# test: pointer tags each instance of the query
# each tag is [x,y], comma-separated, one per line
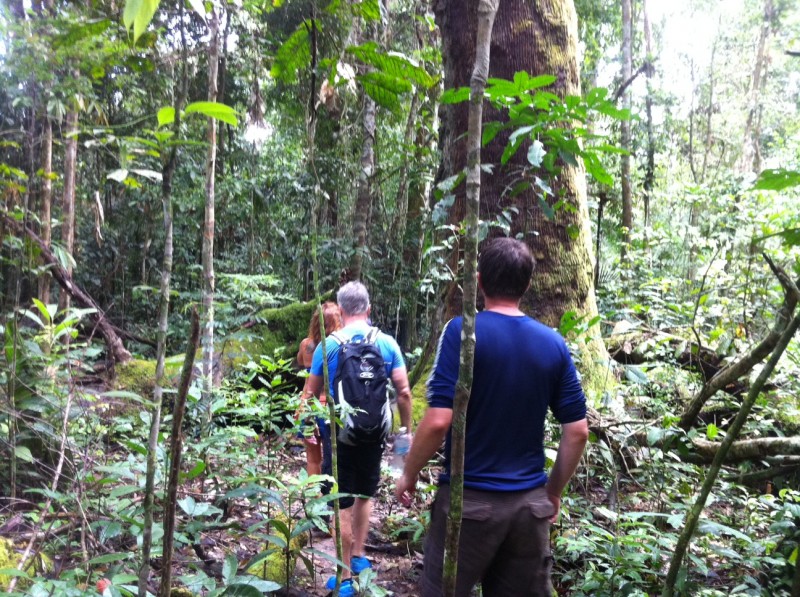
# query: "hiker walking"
[313,432]
[521,369]
[361,362]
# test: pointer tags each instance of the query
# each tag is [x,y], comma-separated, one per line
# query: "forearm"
[404,410]
[570,450]
[427,440]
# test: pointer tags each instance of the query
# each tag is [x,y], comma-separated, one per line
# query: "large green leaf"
[166,116]
[384,89]
[393,64]
[369,10]
[294,54]
[138,14]
[214,110]
[777,180]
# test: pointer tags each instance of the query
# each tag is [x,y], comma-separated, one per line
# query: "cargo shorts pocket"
[541,507]
[475,510]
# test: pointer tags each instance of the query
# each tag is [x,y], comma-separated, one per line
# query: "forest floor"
[397,563]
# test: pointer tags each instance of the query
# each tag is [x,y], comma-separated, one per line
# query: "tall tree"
[46,201]
[750,159]
[365,192]
[540,38]
[487,11]
[208,220]
[625,127]
[68,197]
[650,166]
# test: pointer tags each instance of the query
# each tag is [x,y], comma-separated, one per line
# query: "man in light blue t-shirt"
[358,466]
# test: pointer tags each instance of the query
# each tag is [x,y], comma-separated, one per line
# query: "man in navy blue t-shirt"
[522,369]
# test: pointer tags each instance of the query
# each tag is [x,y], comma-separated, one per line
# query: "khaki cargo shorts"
[504,544]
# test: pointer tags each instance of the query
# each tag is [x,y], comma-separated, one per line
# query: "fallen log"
[116,348]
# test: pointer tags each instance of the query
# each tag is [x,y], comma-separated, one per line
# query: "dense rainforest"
[182,183]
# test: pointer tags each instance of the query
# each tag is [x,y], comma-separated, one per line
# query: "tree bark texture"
[364,196]
[750,157]
[540,38]
[176,452]
[46,202]
[487,10]
[167,175]
[650,168]
[208,221]
[115,346]
[625,129]
[68,197]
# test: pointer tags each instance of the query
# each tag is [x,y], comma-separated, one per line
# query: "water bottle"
[402,443]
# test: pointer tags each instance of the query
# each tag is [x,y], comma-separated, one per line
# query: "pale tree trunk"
[46,201]
[750,158]
[364,195]
[625,129]
[208,222]
[540,38]
[650,168]
[709,130]
[487,10]
[68,197]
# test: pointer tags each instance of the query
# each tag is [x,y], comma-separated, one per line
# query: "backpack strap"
[372,335]
[338,338]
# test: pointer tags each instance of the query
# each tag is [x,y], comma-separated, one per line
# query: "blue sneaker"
[345,590]
[359,563]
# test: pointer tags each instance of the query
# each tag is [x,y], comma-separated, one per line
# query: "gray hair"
[353,298]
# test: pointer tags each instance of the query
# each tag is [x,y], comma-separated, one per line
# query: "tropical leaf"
[369,10]
[777,180]
[166,115]
[455,96]
[138,14]
[293,54]
[393,64]
[214,110]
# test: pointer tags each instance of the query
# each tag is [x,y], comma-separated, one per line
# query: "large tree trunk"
[540,38]
[625,129]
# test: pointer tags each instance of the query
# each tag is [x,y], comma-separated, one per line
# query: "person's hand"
[405,489]
[556,501]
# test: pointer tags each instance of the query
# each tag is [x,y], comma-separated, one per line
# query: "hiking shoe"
[359,563]
[345,590]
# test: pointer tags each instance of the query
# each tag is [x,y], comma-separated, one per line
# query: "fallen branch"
[731,373]
[693,516]
[116,348]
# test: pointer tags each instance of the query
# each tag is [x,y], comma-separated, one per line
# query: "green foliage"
[393,76]
[138,14]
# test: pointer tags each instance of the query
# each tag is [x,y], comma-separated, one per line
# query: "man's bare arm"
[401,385]
[430,434]
[570,449]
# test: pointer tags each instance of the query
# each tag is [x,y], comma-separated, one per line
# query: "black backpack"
[361,383]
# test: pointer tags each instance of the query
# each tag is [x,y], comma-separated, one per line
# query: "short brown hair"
[505,266]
